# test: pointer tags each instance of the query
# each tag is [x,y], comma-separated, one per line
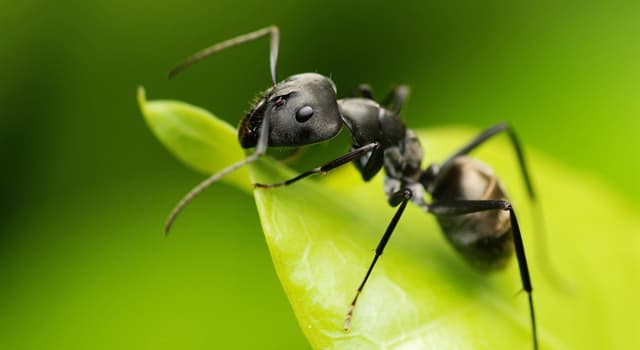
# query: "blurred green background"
[86,187]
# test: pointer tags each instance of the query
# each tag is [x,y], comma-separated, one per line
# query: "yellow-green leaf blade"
[422,295]
[195,136]
[321,235]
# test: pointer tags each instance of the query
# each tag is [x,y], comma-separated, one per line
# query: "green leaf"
[321,235]
[194,136]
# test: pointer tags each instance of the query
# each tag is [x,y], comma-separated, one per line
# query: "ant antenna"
[263,139]
[261,148]
[198,56]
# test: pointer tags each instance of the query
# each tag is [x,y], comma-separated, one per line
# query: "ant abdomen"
[484,239]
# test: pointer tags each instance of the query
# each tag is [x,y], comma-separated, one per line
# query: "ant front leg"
[395,100]
[460,207]
[401,198]
[347,158]
[364,90]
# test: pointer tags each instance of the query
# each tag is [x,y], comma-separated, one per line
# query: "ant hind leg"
[460,207]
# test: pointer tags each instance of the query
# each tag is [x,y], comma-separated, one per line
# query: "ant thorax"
[400,151]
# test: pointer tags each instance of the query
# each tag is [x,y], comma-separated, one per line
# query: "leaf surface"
[321,235]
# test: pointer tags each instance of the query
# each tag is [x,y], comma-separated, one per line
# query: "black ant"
[467,199]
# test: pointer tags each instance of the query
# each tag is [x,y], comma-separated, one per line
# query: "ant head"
[302,110]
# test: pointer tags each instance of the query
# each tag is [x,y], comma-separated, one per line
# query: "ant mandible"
[467,199]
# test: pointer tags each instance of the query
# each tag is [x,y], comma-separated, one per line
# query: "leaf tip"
[142,97]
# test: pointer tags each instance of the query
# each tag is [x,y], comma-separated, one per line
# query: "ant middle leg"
[401,198]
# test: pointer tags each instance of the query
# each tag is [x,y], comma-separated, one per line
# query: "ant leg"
[370,166]
[460,207]
[395,100]
[273,52]
[547,266]
[261,149]
[347,158]
[364,90]
[401,198]
[483,137]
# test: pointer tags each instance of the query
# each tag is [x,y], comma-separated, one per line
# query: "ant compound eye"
[304,113]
